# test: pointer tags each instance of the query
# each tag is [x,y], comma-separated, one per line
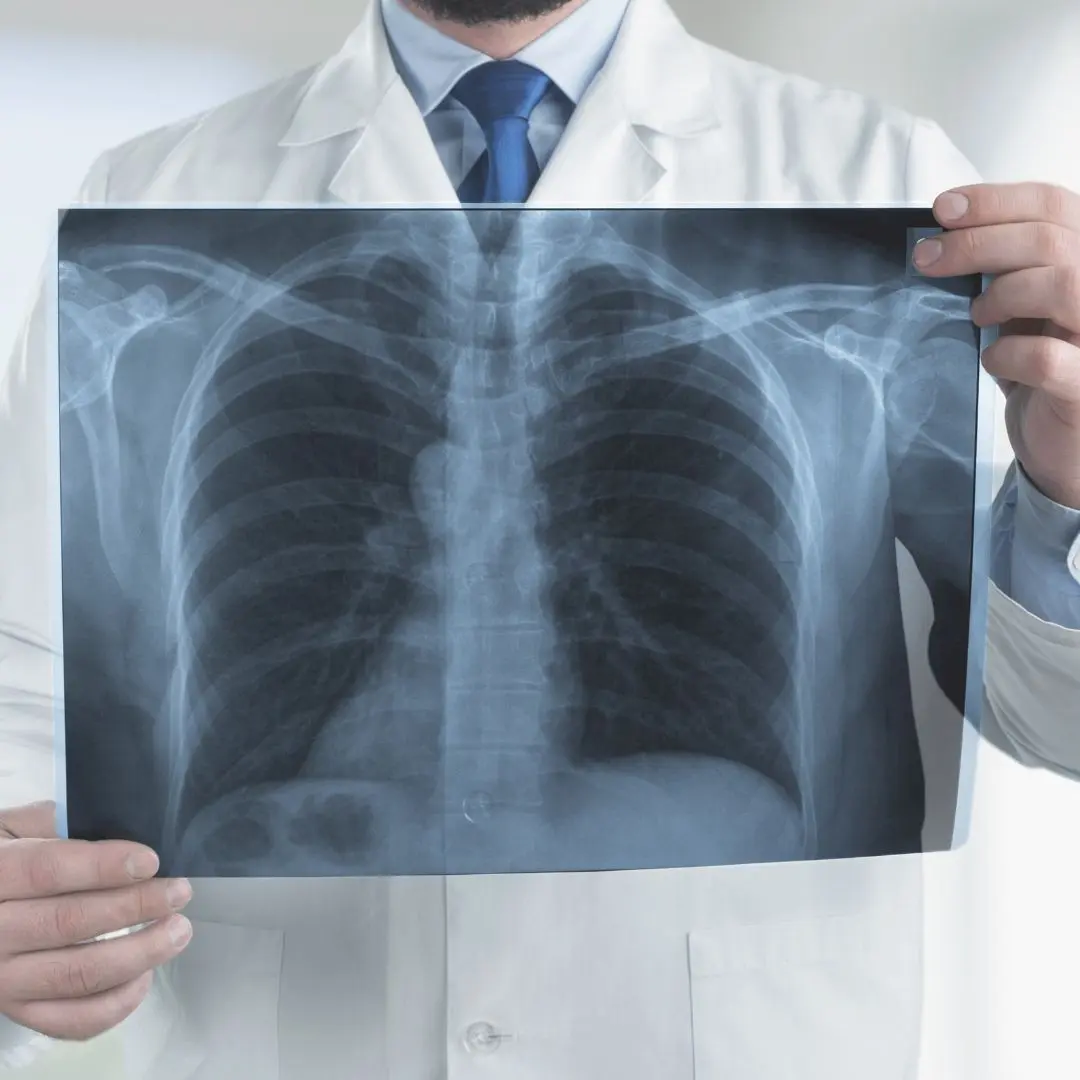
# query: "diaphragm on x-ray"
[412,541]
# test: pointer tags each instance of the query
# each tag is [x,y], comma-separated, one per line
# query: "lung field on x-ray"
[293,539]
[428,542]
[670,515]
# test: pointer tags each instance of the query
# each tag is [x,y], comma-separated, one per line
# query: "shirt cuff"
[1037,551]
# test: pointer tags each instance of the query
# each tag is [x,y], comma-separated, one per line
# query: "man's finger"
[35,821]
[37,868]
[998,204]
[83,1018]
[997,249]
[36,925]
[1041,292]
[85,970]
[1044,363]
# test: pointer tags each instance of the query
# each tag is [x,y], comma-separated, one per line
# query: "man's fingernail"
[178,893]
[179,930]
[927,251]
[951,206]
[144,864]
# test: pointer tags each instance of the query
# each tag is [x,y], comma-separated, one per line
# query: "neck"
[499,40]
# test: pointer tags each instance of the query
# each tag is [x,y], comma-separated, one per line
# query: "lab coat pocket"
[221,994]
[834,998]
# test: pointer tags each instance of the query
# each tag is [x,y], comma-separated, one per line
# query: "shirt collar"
[570,53]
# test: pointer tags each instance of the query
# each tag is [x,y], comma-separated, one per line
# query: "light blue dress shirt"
[1036,542]
[430,63]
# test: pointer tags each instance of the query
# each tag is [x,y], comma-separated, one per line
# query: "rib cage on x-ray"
[484,542]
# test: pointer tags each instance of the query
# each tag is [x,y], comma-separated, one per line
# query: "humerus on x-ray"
[434,541]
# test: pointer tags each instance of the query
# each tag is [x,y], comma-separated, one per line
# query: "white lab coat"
[764,972]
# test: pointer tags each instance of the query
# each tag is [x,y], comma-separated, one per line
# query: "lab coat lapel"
[394,161]
[654,88]
[358,98]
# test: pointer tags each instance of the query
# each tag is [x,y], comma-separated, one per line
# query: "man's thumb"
[37,821]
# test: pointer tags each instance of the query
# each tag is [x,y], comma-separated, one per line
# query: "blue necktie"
[501,95]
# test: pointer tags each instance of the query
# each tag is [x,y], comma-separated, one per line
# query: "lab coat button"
[482,1038]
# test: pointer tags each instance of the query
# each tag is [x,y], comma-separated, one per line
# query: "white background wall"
[1002,76]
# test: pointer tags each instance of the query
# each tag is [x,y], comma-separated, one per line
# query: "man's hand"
[1029,234]
[57,895]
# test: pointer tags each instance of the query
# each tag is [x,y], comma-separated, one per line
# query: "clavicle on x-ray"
[510,540]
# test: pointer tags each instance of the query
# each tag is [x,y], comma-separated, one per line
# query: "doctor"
[741,973]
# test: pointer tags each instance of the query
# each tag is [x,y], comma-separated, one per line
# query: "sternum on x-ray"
[445,541]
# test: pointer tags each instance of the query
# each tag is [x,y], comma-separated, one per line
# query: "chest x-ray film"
[446,542]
